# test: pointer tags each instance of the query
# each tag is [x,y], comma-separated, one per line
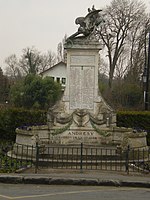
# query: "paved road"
[51,192]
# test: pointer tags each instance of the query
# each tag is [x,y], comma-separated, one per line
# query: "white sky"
[40,23]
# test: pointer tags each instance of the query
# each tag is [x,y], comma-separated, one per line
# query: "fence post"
[36,156]
[127,159]
[81,158]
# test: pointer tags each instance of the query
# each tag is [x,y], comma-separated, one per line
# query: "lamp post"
[146,77]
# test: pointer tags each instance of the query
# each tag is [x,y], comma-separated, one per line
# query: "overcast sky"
[40,23]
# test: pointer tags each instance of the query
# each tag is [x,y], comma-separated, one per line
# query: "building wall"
[58,73]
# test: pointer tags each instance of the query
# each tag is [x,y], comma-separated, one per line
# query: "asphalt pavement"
[77,177]
[65,192]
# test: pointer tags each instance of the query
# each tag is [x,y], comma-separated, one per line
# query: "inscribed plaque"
[82,60]
[81,87]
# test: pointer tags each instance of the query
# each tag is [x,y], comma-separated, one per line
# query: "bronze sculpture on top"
[88,23]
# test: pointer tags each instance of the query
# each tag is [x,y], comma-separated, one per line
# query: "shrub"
[12,118]
[139,120]
[35,92]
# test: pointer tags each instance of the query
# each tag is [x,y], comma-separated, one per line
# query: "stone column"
[82,75]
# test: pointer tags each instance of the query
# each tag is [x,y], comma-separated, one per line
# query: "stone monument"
[82,110]
[82,115]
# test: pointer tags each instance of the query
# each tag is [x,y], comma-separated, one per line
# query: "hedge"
[12,118]
[139,120]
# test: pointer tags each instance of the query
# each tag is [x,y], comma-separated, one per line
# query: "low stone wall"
[106,136]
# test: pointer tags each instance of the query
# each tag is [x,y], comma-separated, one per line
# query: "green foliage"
[127,95]
[12,118]
[136,119]
[4,87]
[35,92]
[124,95]
[102,82]
[139,119]
[16,94]
[9,164]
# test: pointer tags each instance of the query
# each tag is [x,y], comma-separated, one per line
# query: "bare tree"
[4,87]
[30,60]
[47,61]
[12,67]
[121,67]
[120,17]
[137,54]
[103,67]
[61,52]
[51,58]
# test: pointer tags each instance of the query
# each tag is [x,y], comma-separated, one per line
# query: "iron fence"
[11,161]
[81,157]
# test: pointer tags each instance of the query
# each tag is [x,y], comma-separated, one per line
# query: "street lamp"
[146,78]
[144,84]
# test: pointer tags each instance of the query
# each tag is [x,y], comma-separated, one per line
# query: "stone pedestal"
[82,76]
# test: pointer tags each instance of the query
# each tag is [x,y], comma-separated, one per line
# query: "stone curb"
[70,181]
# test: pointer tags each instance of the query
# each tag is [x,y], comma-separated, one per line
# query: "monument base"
[82,115]
[106,136]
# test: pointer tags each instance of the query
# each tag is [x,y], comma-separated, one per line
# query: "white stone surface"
[76,137]
[82,87]
[82,77]
[82,60]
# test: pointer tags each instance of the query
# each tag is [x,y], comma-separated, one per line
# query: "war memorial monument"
[82,115]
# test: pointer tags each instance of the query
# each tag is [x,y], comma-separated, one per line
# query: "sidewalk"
[75,177]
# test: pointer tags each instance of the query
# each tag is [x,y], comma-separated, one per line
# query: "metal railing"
[81,157]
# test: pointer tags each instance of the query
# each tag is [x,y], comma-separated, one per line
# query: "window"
[63,81]
[53,78]
[58,80]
